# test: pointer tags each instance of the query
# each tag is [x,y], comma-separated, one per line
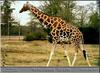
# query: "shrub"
[35,36]
[91,35]
[28,37]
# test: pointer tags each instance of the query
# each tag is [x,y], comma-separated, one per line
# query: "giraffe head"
[25,7]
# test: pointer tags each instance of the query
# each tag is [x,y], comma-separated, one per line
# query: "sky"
[23,18]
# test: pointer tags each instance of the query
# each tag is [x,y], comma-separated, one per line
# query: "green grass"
[36,53]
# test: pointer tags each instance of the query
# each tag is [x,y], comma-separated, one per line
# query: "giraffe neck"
[41,16]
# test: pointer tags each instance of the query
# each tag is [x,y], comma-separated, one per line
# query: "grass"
[36,53]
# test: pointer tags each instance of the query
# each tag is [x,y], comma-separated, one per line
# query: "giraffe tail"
[84,54]
[83,49]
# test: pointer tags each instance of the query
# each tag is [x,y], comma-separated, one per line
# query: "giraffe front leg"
[52,52]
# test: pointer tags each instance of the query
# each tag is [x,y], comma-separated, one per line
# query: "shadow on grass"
[97,61]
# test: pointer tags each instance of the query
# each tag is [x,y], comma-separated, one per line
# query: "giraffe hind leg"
[86,57]
[73,62]
[75,54]
[84,54]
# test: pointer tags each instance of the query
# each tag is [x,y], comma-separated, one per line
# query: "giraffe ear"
[27,2]
[24,5]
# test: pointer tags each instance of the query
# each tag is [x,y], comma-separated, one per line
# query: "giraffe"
[61,31]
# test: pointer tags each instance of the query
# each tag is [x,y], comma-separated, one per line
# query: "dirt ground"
[16,52]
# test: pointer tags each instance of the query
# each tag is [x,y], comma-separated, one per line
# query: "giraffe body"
[61,31]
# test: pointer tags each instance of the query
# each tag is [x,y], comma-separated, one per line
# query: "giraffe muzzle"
[20,11]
